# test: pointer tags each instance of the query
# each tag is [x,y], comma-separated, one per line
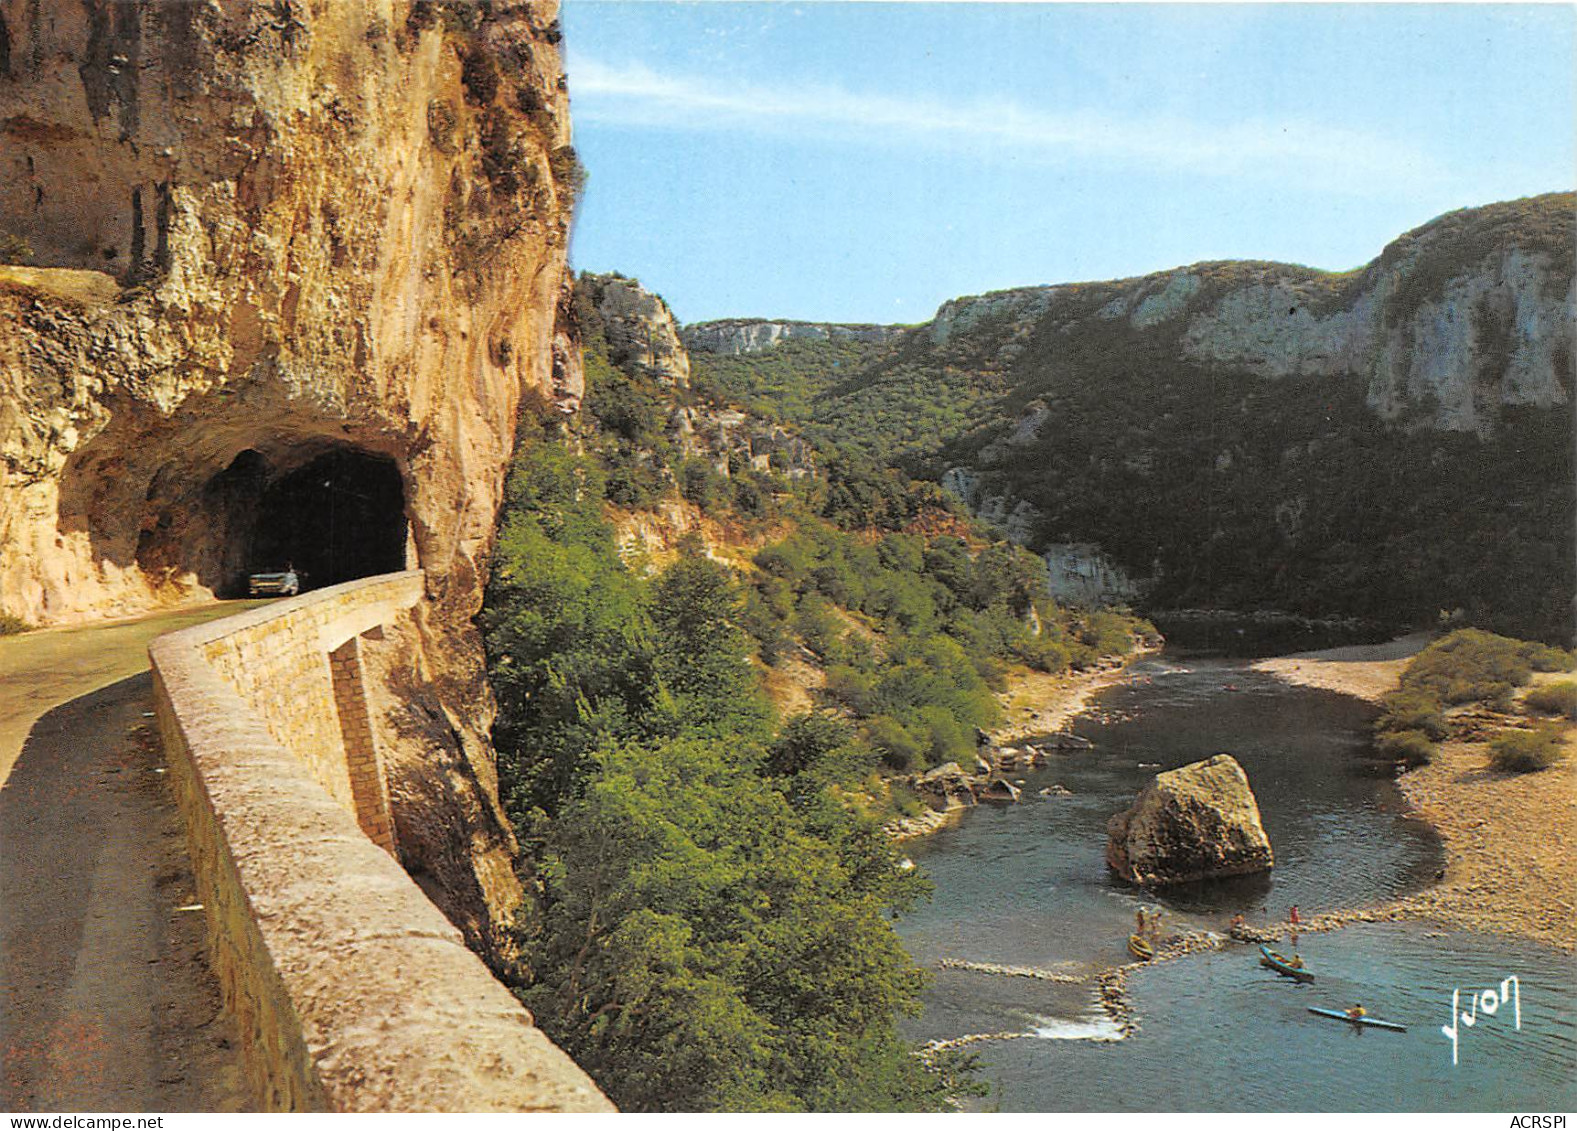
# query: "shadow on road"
[106,999]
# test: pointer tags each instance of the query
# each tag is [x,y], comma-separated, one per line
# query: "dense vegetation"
[1469,666]
[1472,666]
[711,894]
[867,401]
[916,634]
[710,927]
[1233,491]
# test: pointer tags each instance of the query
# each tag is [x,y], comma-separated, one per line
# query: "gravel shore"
[1508,837]
[1037,703]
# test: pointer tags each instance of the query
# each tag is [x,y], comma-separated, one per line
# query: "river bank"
[1365,671]
[1033,703]
[1038,703]
[1507,836]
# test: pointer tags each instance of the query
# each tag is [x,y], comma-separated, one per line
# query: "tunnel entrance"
[338,518]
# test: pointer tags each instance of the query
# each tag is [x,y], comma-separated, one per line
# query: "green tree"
[702,948]
[702,653]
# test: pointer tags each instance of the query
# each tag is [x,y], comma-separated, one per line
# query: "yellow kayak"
[1140,948]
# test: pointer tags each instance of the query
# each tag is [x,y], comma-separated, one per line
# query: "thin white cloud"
[636,95]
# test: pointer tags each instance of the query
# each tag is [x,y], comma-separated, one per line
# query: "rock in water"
[945,788]
[999,790]
[1196,822]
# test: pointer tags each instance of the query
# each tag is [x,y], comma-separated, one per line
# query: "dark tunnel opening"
[338,518]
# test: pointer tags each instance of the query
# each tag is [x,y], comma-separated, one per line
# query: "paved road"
[106,999]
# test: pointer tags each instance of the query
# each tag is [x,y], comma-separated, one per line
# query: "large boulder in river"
[1193,823]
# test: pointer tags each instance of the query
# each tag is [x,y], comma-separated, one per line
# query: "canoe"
[1373,1022]
[1140,948]
[1280,965]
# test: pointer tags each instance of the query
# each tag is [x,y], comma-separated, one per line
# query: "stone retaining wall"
[352,992]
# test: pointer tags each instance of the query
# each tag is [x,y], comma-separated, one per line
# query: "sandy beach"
[1366,671]
[1508,837]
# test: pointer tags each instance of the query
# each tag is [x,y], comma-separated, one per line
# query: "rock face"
[1466,315]
[306,229]
[736,336]
[945,788]
[1079,574]
[644,342]
[640,328]
[294,269]
[1196,822]
[1196,438]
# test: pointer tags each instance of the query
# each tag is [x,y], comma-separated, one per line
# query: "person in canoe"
[1295,962]
[1357,1013]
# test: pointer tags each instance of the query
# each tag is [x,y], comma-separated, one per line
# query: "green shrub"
[906,802]
[1411,709]
[702,484]
[1554,699]
[807,743]
[569,175]
[765,625]
[1042,654]
[818,626]
[1471,665]
[899,749]
[1546,658]
[1522,751]
[634,485]
[10,625]
[1411,747]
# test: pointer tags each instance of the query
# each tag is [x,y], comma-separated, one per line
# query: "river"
[1026,885]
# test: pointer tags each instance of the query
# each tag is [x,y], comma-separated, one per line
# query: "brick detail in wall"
[368,788]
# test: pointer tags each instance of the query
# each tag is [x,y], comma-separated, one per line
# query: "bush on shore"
[1411,747]
[1412,710]
[1471,665]
[1524,751]
[1553,699]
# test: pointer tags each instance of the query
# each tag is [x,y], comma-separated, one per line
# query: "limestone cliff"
[294,266]
[1382,444]
[1455,320]
[1466,315]
[636,331]
[735,336]
[639,328]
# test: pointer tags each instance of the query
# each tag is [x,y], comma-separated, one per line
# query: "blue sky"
[866,161]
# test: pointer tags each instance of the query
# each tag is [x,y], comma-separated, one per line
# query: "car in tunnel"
[274,583]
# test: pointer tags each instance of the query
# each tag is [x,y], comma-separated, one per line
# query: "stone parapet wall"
[277,658]
[352,992]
